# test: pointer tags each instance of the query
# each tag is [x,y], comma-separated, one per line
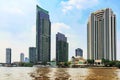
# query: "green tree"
[105,62]
[22,64]
[66,64]
[90,61]
[112,63]
[117,64]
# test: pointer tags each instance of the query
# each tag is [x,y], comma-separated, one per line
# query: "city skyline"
[17,26]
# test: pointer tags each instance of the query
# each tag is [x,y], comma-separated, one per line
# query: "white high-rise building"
[101,35]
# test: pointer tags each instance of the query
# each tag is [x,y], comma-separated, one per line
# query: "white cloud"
[13,10]
[59,27]
[18,44]
[78,4]
[17,28]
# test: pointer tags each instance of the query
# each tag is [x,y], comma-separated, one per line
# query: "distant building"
[22,57]
[79,52]
[26,59]
[101,35]
[32,55]
[8,55]
[43,36]
[61,48]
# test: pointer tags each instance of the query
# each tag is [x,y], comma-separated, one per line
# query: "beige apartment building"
[101,35]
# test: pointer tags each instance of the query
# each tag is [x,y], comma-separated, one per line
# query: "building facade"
[61,48]
[8,55]
[43,36]
[32,55]
[101,35]
[79,52]
[77,61]
[21,57]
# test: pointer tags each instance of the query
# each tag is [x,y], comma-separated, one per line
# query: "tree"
[66,64]
[105,62]
[90,61]
[112,63]
[117,64]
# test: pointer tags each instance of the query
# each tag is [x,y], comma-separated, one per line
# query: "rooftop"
[40,9]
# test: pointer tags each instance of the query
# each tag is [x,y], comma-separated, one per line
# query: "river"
[32,73]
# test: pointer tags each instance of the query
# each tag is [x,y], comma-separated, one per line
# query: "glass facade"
[32,55]
[79,52]
[61,48]
[8,55]
[43,36]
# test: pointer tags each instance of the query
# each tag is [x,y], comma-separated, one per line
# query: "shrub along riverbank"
[105,63]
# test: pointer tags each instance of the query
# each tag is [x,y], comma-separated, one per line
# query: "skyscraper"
[61,48]
[79,52]
[43,36]
[32,55]
[8,55]
[22,57]
[101,35]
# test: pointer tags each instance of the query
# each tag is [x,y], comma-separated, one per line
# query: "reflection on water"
[50,74]
[32,73]
[75,74]
[41,74]
[62,74]
[59,74]
[102,74]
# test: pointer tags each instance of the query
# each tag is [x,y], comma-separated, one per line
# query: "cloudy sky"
[18,18]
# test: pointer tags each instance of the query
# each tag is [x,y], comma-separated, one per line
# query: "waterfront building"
[22,57]
[61,48]
[79,52]
[78,61]
[101,35]
[32,55]
[8,55]
[43,36]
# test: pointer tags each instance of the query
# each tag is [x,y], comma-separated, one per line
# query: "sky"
[18,24]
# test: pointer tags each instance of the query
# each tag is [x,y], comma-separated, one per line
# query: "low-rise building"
[78,61]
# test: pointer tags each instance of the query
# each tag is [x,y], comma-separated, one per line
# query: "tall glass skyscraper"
[101,35]
[43,36]
[8,55]
[61,48]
